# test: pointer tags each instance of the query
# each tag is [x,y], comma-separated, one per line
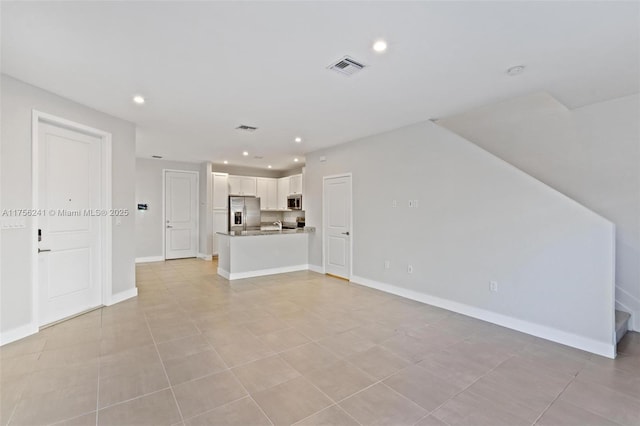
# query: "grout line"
[214,409]
[325,409]
[554,400]
[155,345]
[134,398]
[243,387]
[15,407]
[561,392]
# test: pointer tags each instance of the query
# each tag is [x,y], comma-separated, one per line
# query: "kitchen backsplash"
[267,216]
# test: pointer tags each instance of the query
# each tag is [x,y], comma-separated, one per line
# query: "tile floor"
[301,348]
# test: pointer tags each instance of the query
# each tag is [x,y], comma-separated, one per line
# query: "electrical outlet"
[493,286]
[410,269]
[415,204]
[394,204]
[387,264]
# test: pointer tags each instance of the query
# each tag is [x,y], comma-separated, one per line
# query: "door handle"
[345,233]
[43,250]
[169,226]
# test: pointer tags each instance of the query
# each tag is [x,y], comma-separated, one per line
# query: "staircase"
[622,324]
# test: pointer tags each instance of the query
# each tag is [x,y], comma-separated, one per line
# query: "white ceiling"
[207,67]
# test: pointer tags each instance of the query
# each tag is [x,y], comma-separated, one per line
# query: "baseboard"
[224,274]
[628,303]
[18,333]
[122,296]
[584,343]
[204,256]
[149,259]
[316,268]
[261,272]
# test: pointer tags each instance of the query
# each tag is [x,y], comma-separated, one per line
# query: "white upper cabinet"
[295,183]
[283,192]
[235,185]
[267,191]
[242,185]
[272,192]
[249,186]
[220,191]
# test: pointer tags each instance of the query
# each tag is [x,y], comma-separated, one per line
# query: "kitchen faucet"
[279,224]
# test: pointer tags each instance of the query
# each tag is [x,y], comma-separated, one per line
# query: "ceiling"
[207,67]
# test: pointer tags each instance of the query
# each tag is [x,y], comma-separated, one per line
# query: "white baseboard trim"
[18,333]
[204,256]
[628,303]
[149,259]
[261,272]
[316,268]
[584,343]
[122,296]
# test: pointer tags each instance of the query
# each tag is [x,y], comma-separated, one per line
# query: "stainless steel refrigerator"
[244,214]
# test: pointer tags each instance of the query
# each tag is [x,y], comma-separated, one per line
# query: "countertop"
[259,233]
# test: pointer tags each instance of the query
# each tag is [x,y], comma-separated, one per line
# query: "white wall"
[591,154]
[18,101]
[149,226]
[479,219]
[205,249]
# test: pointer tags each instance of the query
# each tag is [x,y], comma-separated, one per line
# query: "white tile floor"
[194,349]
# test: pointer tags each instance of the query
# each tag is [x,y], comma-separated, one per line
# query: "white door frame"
[38,118]
[324,222]
[164,208]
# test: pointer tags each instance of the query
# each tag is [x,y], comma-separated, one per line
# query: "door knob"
[345,233]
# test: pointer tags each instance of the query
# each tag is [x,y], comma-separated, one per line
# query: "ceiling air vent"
[347,66]
[246,128]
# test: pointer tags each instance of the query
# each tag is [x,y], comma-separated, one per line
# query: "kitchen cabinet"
[283,192]
[267,191]
[220,224]
[220,191]
[242,185]
[295,183]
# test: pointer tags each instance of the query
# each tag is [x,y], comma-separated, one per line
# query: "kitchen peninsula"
[245,254]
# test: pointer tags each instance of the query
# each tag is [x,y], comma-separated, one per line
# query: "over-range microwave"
[294,202]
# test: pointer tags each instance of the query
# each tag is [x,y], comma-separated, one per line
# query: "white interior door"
[181,214]
[69,194]
[337,225]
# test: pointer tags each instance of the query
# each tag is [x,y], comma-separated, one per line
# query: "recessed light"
[295,159]
[269,166]
[380,46]
[225,162]
[518,69]
[298,139]
[245,153]
[139,99]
